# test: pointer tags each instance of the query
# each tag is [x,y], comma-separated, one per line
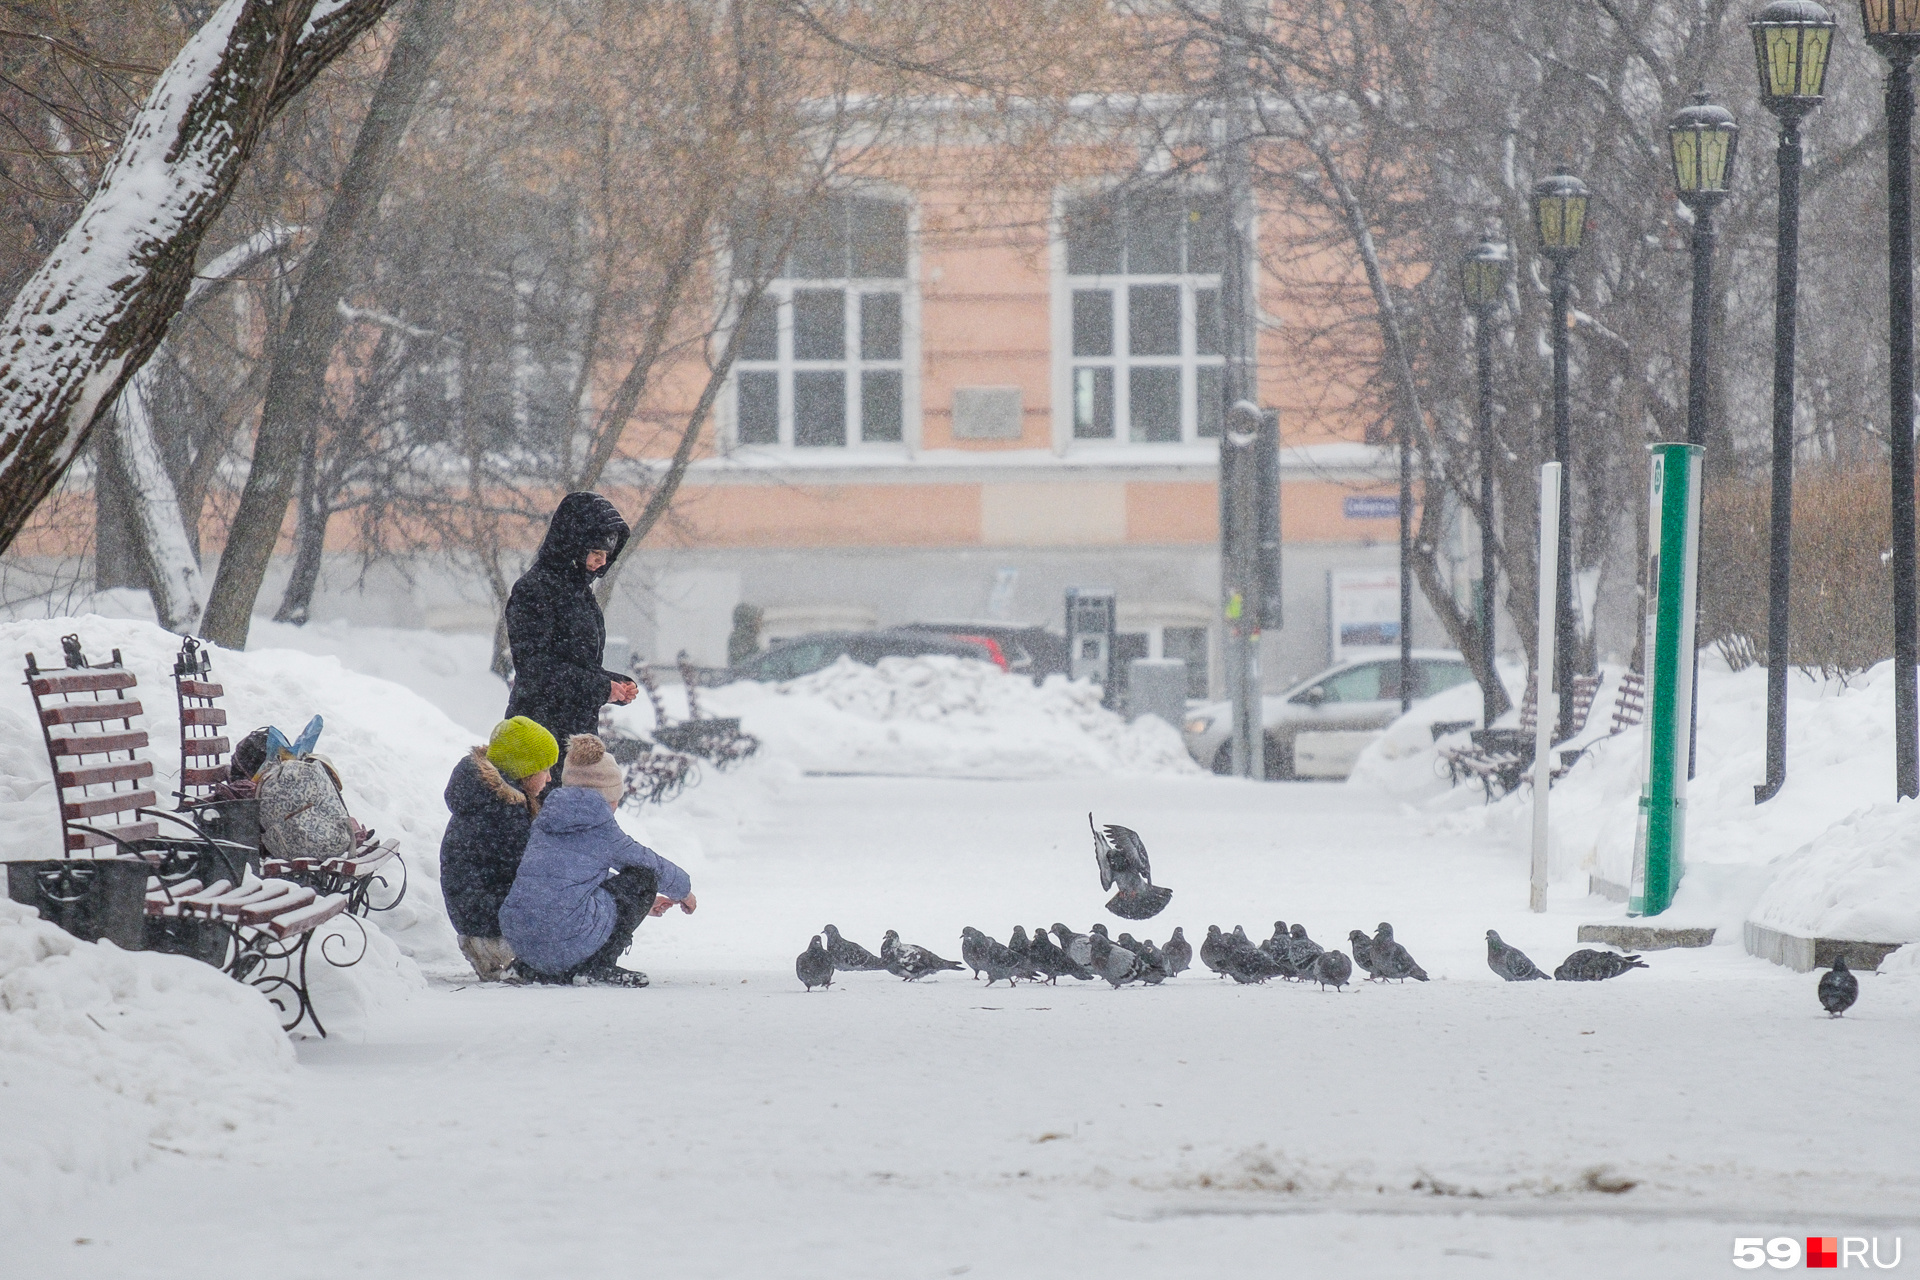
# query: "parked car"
[1028,651]
[798,656]
[1342,708]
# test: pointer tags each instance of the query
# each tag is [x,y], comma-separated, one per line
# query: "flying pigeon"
[1391,959]
[850,957]
[814,966]
[1332,969]
[1587,965]
[1363,952]
[1214,948]
[1051,962]
[973,950]
[1511,963]
[1178,953]
[1838,988]
[1117,965]
[1122,859]
[908,962]
[1074,944]
[1302,951]
[996,961]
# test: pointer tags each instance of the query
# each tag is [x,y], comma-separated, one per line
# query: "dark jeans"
[633,890]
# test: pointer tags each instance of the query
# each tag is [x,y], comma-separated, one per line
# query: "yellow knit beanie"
[521,748]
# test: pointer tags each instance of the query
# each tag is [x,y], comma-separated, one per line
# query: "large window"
[820,363]
[1143,296]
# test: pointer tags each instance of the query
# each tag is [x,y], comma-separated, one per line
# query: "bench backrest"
[204,744]
[1585,688]
[87,718]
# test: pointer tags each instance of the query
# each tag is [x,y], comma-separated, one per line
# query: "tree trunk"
[309,540]
[95,310]
[116,554]
[298,381]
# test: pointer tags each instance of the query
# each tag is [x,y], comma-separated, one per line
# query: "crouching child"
[584,885]
[493,797]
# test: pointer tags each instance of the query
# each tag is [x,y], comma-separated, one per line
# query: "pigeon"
[1153,965]
[996,961]
[1363,952]
[1302,951]
[1051,963]
[1332,969]
[1276,946]
[1074,944]
[1838,988]
[1117,965]
[1022,953]
[1122,859]
[908,962]
[1391,960]
[1587,965]
[850,957]
[1178,953]
[1511,963]
[1214,948]
[973,950]
[1250,964]
[814,966]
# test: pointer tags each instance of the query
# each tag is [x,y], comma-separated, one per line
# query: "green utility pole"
[1673,570]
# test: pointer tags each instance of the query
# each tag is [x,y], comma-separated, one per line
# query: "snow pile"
[1859,880]
[1805,850]
[448,669]
[1405,762]
[106,1055]
[393,750]
[943,717]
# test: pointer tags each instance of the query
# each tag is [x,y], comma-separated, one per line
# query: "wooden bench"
[1501,759]
[258,934]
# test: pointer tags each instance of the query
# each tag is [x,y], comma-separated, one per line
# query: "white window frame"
[1065,362]
[779,294]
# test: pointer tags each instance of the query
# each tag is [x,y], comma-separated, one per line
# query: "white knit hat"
[589,765]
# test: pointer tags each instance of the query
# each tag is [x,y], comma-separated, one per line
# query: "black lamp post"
[1560,220]
[1483,278]
[1701,140]
[1893,27]
[1791,40]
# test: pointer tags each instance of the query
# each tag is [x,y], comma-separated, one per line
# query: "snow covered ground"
[724,1123]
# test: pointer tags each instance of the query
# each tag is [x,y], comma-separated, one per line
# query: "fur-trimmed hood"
[496,782]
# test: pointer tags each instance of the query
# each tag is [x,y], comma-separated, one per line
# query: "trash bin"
[1157,687]
[94,899]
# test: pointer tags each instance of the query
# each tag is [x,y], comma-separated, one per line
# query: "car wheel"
[1223,759]
[1279,759]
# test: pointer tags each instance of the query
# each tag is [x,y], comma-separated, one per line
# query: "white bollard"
[1545,706]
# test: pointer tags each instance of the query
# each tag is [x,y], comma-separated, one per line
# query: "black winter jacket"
[480,853]
[554,626]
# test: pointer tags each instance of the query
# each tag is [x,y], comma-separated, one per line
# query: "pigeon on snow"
[1214,948]
[1178,953]
[1588,965]
[814,966]
[1363,952]
[1250,964]
[909,962]
[996,961]
[1332,969]
[1051,962]
[1276,946]
[1302,951]
[850,957]
[1152,969]
[1022,950]
[973,950]
[1122,859]
[1838,988]
[1116,964]
[1511,963]
[1074,944]
[1391,959]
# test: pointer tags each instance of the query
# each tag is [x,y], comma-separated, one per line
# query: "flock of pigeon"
[1289,954]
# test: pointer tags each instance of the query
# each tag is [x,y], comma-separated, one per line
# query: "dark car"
[1027,651]
[797,656]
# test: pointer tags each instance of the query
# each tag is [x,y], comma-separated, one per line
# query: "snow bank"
[940,717]
[106,1055]
[1859,880]
[1404,761]
[393,750]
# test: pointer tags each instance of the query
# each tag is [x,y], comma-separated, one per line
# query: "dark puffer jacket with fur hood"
[480,854]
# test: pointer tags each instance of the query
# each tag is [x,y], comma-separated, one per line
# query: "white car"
[1318,728]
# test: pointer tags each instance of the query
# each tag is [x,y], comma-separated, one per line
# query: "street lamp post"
[1701,140]
[1893,28]
[1483,278]
[1791,40]
[1560,221]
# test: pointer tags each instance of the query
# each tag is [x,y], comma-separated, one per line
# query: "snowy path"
[725,1124]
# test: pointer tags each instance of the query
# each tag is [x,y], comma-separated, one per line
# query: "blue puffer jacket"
[557,914]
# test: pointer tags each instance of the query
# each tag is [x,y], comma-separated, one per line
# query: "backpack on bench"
[301,812]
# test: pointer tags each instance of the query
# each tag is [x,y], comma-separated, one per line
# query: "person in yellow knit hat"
[493,795]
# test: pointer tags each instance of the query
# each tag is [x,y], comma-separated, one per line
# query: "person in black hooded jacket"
[554,625]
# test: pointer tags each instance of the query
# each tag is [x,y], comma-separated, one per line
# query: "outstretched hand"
[661,902]
[623,691]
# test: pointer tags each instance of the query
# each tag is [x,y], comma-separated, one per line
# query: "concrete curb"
[1644,937]
[1803,955]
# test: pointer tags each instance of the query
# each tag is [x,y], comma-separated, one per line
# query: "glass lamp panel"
[1574,221]
[1549,214]
[1481,278]
[1780,60]
[1716,149]
[1875,15]
[1686,159]
[1905,15]
[1813,60]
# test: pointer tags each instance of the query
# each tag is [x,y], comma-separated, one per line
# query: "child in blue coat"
[584,885]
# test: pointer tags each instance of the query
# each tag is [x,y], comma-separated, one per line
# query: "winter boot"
[611,976]
[491,958]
